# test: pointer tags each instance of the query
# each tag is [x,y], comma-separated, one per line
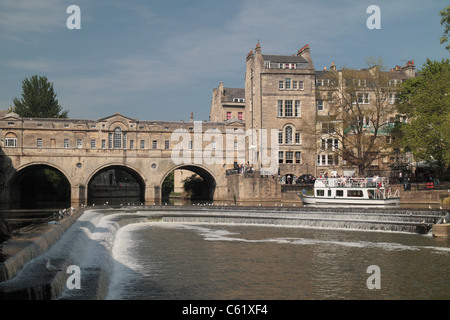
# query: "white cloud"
[30,16]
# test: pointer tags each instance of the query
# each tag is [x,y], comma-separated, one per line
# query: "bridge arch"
[109,187]
[32,185]
[208,177]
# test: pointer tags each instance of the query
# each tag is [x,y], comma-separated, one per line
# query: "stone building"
[227,104]
[286,93]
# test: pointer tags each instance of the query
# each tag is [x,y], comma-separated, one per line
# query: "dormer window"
[238,100]
[287,65]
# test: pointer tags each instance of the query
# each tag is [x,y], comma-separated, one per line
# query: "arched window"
[288,135]
[117,138]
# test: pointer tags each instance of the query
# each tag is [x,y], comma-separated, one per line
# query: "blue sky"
[160,60]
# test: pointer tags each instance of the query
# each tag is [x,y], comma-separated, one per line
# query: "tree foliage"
[425,100]
[38,100]
[445,21]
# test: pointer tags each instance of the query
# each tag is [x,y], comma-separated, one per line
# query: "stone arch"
[20,170]
[206,174]
[16,195]
[135,173]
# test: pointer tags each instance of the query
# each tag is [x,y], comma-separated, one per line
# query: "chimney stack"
[333,66]
[304,53]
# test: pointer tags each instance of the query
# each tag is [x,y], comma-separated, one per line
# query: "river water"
[162,260]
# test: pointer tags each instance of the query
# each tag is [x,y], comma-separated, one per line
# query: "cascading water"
[89,241]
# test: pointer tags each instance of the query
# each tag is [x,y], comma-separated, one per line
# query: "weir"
[88,242]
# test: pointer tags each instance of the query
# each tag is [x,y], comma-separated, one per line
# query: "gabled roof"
[116,115]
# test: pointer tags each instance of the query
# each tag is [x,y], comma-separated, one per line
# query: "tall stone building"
[279,95]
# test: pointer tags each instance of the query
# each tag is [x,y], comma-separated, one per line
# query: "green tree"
[445,21]
[168,184]
[38,100]
[425,100]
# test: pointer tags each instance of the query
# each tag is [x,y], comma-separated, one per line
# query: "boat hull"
[347,201]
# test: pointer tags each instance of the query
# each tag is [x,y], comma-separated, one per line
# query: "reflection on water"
[187,261]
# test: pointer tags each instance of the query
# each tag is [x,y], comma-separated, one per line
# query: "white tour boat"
[352,191]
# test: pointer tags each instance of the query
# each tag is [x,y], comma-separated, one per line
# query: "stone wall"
[251,188]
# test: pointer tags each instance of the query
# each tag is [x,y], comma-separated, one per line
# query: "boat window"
[329,192]
[355,193]
[371,194]
[320,193]
[339,193]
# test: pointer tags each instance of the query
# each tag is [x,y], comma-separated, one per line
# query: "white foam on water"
[125,268]
[225,235]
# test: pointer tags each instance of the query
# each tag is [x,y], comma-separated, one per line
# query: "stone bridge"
[81,149]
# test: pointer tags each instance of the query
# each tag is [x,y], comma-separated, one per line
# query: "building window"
[39,142]
[298,156]
[228,115]
[297,137]
[240,115]
[297,108]
[330,96]
[10,140]
[363,98]
[294,85]
[288,135]
[288,108]
[287,83]
[328,128]
[167,144]
[110,140]
[289,156]
[280,156]
[103,144]
[300,85]
[117,138]
[92,144]
[319,105]
[131,144]
[392,98]
[142,144]
[191,145]
[154,144]
[280,137]
[66,143]
[280,108]
[281,85]
[79,143]
[124,140]
[327,160]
